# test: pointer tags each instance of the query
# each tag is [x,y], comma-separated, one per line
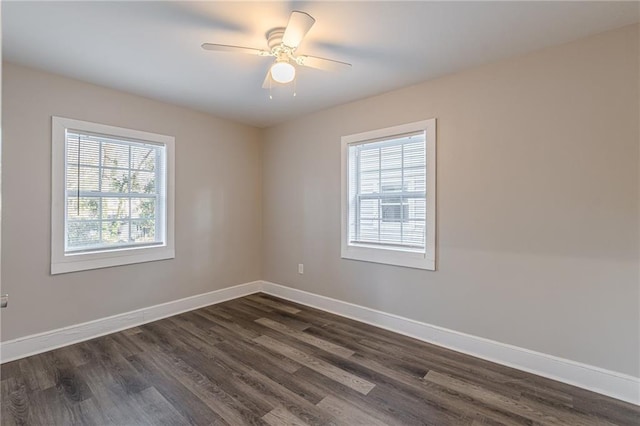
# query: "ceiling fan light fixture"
[283,72]
[283,44]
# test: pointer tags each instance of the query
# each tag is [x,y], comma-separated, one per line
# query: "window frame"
[397,256]
[62,262]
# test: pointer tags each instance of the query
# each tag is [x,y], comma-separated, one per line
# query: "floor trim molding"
[48,340]
[606,382]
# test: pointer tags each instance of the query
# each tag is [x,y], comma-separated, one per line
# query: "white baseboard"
[595,379]
[42,342]
[606,382]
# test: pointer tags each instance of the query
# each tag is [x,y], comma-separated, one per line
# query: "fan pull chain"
[270,86]
[295,86]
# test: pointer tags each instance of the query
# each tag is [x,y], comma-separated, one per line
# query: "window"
[112,199]
[388,193]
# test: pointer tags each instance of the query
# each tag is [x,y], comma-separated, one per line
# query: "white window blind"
[387,192]
[115,193]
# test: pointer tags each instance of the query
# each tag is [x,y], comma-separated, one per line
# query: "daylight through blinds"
[114,192]
[387,192]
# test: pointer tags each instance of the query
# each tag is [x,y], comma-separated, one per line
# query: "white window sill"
[388,256]
[106,259]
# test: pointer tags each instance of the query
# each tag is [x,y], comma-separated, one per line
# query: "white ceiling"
[153,48]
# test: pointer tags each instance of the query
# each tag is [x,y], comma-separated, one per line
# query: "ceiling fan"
[283,43]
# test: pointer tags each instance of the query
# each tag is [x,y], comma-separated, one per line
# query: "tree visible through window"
[112,196]
[113,192]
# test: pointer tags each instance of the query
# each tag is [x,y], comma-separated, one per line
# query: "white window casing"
[112,196]
[388,195]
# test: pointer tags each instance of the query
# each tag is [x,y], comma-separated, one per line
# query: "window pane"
[369,230]
[391,180]
[120,187]
[393,210]
[417,209]
[414,233]
[82,234]
[143,208]
[369,209]
[115,155]
[370,160]
[88,178]
[115,232]
[143,182]
[391,158]
[370,182]
[83,208]
[143,231]
[115,180]
[89,151]
[115,208]
[388,185]
[390,232]
[415,179]
[143,158]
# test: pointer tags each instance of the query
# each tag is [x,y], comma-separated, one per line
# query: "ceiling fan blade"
[236,49]
[322,63]
[267,83]
[299,25]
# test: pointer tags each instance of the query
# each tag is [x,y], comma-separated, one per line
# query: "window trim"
[396,255]
[70,262]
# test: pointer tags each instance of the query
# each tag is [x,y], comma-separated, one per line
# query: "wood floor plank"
[387,405]
[312,340]
[51,404]
[92,413]
[236,326]
[35,374]
[263,360]
[15,403]
[438,405]
[212,382]
[616,411]
[274,304]
[194,409]
[10,370]
[274,371]
[348,414]
[275,393]
[262,356]
[286,318]
[412,367]
[111,399]
[281,417]
[411,385]
[157,410]
[546,416]
[322,367]
[66,378]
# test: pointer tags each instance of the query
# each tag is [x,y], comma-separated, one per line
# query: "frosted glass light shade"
[283,72]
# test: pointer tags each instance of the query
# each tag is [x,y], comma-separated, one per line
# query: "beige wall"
[537,203]
[218,210]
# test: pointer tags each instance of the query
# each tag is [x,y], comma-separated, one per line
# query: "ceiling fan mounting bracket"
[274,37]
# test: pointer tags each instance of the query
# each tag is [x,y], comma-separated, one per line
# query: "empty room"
[320,213]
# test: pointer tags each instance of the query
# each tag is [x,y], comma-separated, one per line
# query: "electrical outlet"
[300,268]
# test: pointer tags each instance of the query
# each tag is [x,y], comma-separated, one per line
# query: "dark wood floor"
[262,360]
